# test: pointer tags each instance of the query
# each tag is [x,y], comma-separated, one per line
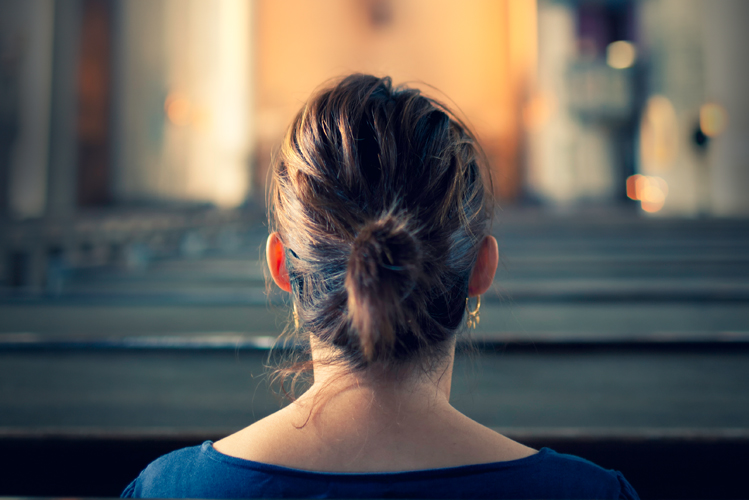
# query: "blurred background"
[135,140]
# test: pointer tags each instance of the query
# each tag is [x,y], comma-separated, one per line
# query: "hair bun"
[383,268]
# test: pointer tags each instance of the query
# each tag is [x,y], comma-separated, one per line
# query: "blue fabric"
[203,472]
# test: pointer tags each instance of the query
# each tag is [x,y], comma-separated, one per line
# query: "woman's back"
[202,472]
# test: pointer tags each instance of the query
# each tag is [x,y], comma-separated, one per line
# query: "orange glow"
[651,191]
[200,118]
[177,108]
[713,119]
[659,134]
[632,186]
[538,111]
[480,54]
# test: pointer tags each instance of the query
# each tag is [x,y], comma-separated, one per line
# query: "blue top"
[203,472]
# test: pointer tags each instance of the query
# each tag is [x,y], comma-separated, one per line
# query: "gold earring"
[473,316]
[296,318]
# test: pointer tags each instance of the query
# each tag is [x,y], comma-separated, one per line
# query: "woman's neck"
[379,391]
[372,402]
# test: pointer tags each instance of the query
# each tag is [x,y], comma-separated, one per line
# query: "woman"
[381,208]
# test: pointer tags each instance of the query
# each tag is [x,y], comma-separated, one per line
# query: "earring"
[473,316]
[296,318]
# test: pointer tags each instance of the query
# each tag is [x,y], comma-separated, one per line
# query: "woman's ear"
[485,268]
[276,255]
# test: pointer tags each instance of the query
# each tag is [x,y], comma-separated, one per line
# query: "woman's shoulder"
[579,477]
[548,474]
[162,470]
[187,472]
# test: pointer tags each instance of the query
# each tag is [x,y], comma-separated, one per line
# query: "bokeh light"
[650,191]
[177,108]
[621,54]
[713,119]
[659,134]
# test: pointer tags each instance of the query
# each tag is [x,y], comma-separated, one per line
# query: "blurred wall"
[478,53]
[695,124]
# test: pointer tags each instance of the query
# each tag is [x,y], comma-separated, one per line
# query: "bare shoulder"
[513,450]
[263,441]
[482,444]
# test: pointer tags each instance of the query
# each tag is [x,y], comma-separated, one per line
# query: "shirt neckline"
[209,451]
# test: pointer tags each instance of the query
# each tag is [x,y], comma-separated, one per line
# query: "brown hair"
[381,198]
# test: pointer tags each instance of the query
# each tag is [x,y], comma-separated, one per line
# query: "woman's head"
[381,201]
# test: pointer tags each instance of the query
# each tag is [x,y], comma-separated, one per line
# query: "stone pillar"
[727,80]
[9,122]
[672,41]
[26,32]
[183,101]
[63,131]
[26,27]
